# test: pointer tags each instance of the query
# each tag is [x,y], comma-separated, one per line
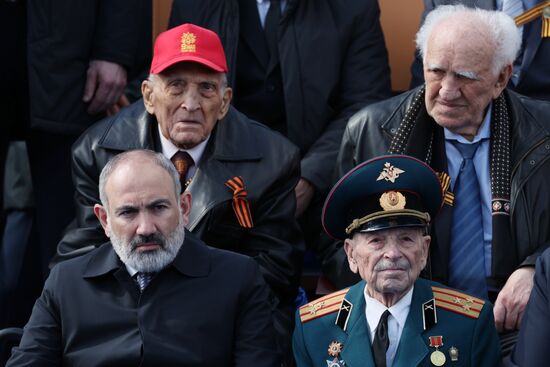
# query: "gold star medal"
[437,357]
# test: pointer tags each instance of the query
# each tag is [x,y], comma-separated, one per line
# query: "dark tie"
[381,341]
[182,161]
[143,279]
[271,28]
[467,256]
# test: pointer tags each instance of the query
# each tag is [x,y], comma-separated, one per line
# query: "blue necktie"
[467,257]
[143,280]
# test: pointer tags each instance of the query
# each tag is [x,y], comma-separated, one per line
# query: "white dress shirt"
[169,149]
[396,321]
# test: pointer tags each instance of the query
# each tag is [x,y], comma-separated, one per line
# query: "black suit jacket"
[333,62]
[534,335]
[208,308]
[534,79]
[267,162]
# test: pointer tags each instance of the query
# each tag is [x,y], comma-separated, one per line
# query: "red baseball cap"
[188,42]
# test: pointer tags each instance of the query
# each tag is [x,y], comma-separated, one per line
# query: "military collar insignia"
[343,314]
[429,314]
[334,350]
[389,173]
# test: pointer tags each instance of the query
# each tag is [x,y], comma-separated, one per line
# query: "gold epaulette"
[322,306]
[458,302]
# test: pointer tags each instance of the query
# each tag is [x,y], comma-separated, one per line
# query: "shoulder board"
[322,306]
[458,302]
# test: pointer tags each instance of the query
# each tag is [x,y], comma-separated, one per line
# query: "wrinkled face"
[144,218]
[460,81]
[388,260]
[187,99]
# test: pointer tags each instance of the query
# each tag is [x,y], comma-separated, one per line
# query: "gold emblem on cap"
[188,41]
[389,173]
[335,348]
[392,200]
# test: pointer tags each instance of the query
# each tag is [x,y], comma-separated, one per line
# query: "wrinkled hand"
[105,83]
[304,193]
[512,299]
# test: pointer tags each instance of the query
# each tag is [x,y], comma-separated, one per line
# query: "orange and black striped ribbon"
[445,180]
[533,13]
[240,203]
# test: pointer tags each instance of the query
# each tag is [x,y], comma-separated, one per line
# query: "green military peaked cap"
[384,192]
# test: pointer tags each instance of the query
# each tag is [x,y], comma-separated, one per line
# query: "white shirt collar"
[169,149]
[374,309]
[131,270]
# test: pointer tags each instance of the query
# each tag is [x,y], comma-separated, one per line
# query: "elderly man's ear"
[349,248]
[147,93]
[502,81]
[101,215]
[226,102]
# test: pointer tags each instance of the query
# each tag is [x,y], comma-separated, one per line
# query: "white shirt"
[169,149]
[396,321]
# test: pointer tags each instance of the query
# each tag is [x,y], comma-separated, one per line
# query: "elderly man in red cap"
[240,174]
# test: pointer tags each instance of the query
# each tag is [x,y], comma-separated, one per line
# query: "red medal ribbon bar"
[436,341]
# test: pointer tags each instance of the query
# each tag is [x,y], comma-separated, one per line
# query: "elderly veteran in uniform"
[491,147]
[155,295]
[241,174]
[381,210]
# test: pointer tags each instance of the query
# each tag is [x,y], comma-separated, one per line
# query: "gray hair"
[157,158]
[502,31]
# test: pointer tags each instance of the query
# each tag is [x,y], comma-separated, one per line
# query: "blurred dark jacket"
[333,62]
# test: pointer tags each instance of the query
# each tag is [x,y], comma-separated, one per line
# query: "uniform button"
[532,162]
[393,130]
[547,146]
[270,87]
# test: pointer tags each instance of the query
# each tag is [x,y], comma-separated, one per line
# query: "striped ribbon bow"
[241,207]
[542,9]
[445,180]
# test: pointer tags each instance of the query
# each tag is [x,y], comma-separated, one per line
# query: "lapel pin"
[453,353]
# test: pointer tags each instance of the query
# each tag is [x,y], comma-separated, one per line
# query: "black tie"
[381,341]
[271,28]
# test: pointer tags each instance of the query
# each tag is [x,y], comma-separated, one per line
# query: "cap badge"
[392,200]
[389,173]
[188,40]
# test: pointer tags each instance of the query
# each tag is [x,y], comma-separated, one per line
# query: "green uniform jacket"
[475,339]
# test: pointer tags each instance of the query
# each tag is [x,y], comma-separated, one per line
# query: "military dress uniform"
[443,327]
[332,330]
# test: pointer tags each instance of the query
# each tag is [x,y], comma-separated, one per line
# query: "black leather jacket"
[268,163]
[370,131]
